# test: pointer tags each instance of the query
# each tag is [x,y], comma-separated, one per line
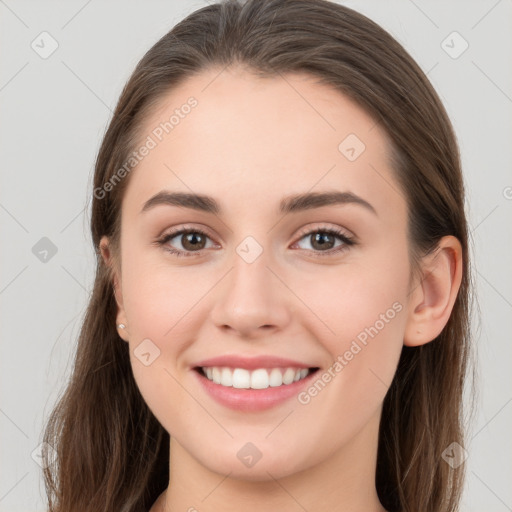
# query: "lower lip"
[249,400]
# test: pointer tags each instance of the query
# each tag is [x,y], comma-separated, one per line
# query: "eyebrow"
[289,204]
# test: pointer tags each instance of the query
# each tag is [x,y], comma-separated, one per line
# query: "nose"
[252,300]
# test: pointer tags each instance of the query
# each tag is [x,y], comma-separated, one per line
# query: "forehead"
[232,134]
[235,101]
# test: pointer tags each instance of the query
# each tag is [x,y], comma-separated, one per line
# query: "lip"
[251,400]
[252,363]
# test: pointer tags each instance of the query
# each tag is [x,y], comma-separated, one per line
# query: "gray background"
[53,114]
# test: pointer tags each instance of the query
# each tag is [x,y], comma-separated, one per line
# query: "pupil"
[322,240]
[191,239]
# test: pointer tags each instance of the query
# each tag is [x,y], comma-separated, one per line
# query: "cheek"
[362,308]
[368,323]
[156,302]
[156,294]
[160,331]
[356,302]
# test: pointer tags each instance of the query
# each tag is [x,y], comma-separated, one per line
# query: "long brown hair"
[111,452]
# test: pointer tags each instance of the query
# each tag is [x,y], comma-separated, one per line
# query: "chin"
[276,466]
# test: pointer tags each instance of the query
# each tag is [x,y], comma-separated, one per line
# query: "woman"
[280,313]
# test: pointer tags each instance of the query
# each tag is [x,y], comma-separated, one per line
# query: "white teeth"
[289,375]
[276,378]
[261,378]
[226,379]
[241,378]
[216,375]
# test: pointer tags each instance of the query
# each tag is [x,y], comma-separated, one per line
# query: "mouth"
[252,383]
[259,378]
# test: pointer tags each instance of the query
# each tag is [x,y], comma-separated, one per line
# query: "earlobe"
[122,329]
[121,321]
[107,256]
[432,299]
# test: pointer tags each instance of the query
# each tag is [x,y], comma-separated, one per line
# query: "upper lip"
[251,363]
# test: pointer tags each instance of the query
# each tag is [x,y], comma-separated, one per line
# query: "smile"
[260,378]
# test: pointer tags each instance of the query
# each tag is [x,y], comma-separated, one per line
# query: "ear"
[432,299]
[110,261]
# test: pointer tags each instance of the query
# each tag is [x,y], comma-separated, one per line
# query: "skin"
[248,143]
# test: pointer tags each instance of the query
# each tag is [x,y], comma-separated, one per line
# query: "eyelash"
[347,241]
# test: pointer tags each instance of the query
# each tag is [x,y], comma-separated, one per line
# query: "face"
[304,300]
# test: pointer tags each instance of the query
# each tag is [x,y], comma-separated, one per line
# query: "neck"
[343,482]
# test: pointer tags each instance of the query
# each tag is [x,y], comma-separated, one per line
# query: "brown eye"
[193,241]
[323,242]
[185,242]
